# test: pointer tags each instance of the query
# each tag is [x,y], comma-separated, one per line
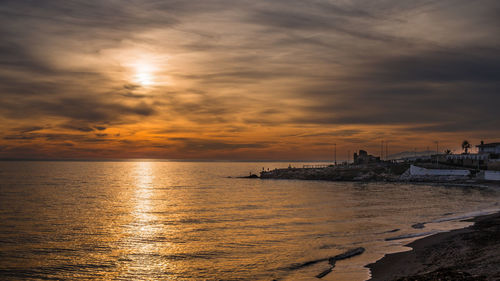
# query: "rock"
[251,176]
[346,255]
[419,225]
[349,254]
[324,273]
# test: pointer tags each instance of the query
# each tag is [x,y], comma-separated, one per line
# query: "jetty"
[386,172]
[368,172]
[437,168]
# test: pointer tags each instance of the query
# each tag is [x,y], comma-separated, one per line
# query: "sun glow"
[144,74]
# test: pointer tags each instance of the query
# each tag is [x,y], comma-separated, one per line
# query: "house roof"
[493,144]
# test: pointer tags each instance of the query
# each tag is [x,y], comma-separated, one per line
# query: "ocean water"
[189,221]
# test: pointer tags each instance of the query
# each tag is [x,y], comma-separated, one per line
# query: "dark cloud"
[476,64]
[58,138]
[29,129]
[132,95]
[85,14]
[18,137]
[193,144]
[457,88]
[470,124]
[78,126]
[89,109]
[338,133]
[131,86]
[15,56]
[227,69]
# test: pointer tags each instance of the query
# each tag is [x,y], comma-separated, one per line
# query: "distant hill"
[405,154]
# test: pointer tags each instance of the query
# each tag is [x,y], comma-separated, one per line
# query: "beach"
[471,253]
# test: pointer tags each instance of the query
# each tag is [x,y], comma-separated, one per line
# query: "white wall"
[484,156]
[495,149]
[417,171]
[492,175]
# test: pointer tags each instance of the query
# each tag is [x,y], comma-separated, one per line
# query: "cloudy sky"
[250,79]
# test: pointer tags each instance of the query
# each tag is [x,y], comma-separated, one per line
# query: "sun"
[144,74]
[144,78]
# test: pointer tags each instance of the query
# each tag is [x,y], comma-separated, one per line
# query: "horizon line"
[152,160]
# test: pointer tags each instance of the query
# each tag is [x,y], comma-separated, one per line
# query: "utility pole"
[437,154]
[348,156]
[382,150]
[386,150]
[335,153]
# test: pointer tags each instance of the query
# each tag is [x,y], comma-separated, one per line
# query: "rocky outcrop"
[336,173]
[381,172]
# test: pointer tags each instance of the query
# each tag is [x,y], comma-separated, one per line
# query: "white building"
[471,157]
[493,148]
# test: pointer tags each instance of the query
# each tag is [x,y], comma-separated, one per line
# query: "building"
[364,158]
[468,160]
[488,157]
[492,148]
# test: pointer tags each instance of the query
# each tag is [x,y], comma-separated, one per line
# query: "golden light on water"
[142,230]
[187,221]
[202,87]
[144,181]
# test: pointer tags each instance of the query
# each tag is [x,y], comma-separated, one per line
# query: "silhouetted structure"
[493,148]
[487,157]
[364,158]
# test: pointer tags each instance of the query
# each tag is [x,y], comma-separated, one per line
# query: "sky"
[246,80]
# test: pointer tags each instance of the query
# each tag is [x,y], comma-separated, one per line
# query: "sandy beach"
[472,253]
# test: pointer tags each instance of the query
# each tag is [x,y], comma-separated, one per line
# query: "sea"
[174,220]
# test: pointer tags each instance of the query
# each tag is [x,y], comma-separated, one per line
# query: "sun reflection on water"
[143,230]
[187,221]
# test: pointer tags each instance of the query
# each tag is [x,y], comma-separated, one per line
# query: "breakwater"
[378,172]
[381,172]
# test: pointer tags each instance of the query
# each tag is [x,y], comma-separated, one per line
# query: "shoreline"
[471,253]
[464,184]
[375,173]
[302,174]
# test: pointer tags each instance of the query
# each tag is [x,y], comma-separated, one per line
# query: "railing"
[315,166]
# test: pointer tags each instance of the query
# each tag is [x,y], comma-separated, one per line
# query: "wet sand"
[472,253]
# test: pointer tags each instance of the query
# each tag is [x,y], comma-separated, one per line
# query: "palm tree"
[466,146]
[447,152]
